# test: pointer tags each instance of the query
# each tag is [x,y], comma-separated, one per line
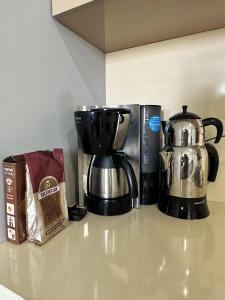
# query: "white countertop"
[6,294]
[137,256]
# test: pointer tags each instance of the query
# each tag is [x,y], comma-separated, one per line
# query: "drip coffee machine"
[111,184]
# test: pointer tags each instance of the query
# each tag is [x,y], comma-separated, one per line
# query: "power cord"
[76,213]
[223,136]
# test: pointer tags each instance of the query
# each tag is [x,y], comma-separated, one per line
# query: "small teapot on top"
[187,164]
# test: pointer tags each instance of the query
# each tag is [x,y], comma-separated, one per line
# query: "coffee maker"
[141,145]
[187,164]
[111,186]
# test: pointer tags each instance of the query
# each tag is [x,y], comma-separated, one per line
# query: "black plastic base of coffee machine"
[149,190]
[109,207]
[184,208]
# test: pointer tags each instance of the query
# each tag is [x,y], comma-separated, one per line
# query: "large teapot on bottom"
[187,164]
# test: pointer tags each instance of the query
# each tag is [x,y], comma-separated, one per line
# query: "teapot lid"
[184,115]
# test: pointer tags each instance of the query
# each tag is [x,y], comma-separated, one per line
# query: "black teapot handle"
[218,124]
[213,162]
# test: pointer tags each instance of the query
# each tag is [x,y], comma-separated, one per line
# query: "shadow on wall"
[72,167]
[67,106]
[90,62]
[51,71]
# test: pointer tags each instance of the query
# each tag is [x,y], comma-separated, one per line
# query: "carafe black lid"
[184,115]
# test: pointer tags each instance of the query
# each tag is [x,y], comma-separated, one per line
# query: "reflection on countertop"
[140,255]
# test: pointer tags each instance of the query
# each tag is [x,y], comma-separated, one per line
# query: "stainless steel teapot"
[187,164]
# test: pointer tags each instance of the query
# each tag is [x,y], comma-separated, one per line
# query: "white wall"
[188,70]
[45,72]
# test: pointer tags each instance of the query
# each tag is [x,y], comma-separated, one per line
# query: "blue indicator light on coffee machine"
[154,123]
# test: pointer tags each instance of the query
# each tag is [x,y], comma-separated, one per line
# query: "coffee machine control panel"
[150,146]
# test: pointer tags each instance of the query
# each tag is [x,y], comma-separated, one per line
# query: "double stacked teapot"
[187,164]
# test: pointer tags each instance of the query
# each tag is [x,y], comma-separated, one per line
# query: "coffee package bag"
[46,205]
[14,192]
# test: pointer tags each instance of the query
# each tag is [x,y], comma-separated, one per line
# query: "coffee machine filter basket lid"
[112,109]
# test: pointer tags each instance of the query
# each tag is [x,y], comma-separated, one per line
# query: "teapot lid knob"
[184,115]
[184,107]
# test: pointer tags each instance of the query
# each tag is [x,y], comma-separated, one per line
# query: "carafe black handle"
[218,124]
[213,162]
[88,178]
[120,160]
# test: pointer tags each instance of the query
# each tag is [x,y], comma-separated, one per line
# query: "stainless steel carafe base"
[184,208]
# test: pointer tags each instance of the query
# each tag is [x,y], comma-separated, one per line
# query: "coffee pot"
[187,164]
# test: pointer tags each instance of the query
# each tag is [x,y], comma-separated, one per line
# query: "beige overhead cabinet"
[113,25]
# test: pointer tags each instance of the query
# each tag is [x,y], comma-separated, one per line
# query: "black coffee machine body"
[111,184]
